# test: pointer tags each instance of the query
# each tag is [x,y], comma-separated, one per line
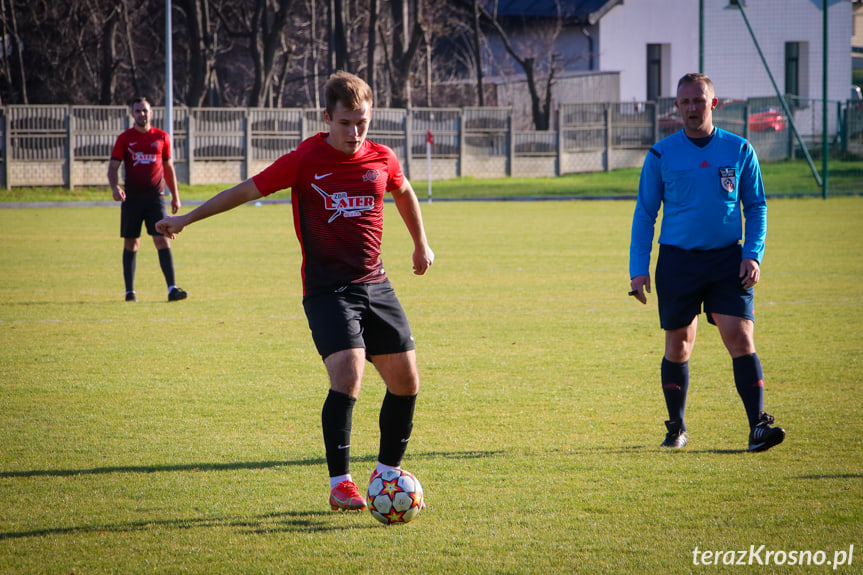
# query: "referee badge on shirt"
[727,177]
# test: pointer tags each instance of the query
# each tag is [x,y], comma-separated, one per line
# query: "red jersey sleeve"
[279,175]
[166,146]
[396,174]
[119,151]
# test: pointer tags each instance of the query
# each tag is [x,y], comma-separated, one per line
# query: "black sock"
[129,260]
[396,422]
[336,419]
[749,378]
[166,261]
[675,385]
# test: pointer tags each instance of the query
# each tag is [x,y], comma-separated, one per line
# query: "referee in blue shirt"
[700,177]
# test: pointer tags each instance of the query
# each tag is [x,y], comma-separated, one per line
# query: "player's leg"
[399,372]
[337,333]
[130,259]
[738,337]
[674,375]
[345,370]
[156,212]
[679,291]
[130,230]
[390,345]
[731,307]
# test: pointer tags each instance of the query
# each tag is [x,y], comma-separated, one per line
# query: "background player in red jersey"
[338,180]
[145,153]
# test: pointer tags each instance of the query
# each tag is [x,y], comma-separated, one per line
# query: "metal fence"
[70,145]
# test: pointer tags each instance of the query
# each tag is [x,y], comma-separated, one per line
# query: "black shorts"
[358,316]
[135,211]
[686,279]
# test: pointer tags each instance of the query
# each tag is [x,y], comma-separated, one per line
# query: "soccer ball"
[394,496]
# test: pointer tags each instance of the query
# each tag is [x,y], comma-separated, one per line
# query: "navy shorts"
[358,316]
[686,279]
[135,211]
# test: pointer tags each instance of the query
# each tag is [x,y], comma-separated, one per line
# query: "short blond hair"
[349,89]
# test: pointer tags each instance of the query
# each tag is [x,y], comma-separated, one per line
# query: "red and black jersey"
[338,208]
[143,154]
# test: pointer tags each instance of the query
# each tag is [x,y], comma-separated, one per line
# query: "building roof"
[586,11]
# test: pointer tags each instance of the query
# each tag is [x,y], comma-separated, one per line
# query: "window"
[797,70]
[658,69]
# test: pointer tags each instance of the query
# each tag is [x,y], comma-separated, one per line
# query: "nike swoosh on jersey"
[321,177]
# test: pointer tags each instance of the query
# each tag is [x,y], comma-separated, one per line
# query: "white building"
[651,43]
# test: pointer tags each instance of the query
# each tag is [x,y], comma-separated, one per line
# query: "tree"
[477,52]
[529,56]
[338,37]
[262,29]
[407,36]
[10,31]
[108,60]
[371,68]
[107,51]
[130,46]
[201,47]
[266,46]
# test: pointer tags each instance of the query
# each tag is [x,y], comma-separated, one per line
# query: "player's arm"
[114,180]
[409,209]
[647,206]
[754,201]
[222,202]
[171,182]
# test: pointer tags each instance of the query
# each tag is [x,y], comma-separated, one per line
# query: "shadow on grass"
[235,466]
[833,476]
[276,522]
[241,465]
[703,451]
[285,521]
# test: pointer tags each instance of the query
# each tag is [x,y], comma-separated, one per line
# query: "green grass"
[792,178]
[185,437]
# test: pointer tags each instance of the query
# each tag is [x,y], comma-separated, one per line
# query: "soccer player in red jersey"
[145,153]
[338,180]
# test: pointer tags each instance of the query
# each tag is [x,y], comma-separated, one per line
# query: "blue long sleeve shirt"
[701,191]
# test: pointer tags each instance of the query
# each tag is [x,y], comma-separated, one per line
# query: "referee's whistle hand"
[638,286]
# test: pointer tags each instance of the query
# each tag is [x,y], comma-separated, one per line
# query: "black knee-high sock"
[166,261]
[129,260]
[336,419]
[675,385]
[396,423]
[749,379]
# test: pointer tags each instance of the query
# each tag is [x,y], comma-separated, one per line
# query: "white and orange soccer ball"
[395,496]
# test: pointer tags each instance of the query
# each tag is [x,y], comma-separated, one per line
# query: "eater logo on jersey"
[141,158]
[371,175]
[726,178]
[344,205]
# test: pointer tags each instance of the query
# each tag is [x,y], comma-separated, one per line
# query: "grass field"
[185,437]
[790,178]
